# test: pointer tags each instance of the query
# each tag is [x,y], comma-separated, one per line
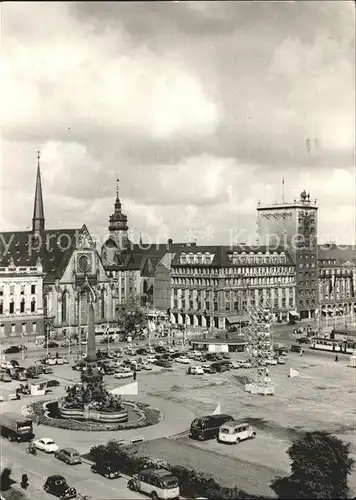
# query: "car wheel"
[253,435]
[9,437]
[154,495]
[237,441]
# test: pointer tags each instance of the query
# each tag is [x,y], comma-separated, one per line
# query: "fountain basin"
[88,413]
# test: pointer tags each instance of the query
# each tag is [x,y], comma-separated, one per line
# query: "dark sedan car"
[56,485]
[106,469]
[13,349]
[52,383]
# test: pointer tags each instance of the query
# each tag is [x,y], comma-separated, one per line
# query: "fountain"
[90,400]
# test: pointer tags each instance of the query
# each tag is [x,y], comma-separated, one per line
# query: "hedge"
[192,483]
[151,416]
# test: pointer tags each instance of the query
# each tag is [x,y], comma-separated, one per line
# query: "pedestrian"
[336,358]
[134,375]
[301,352]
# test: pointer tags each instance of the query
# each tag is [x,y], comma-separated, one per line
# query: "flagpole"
[283,190]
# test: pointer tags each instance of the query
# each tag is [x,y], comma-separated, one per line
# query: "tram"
[332,345]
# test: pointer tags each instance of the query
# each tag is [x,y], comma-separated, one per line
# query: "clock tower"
[118,226]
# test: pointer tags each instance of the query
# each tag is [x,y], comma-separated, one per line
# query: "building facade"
[337,279]
[294,226]
[212,286]
[21,300]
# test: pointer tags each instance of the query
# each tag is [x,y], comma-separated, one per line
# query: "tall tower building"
[38,220]
[295,227]
[118,226]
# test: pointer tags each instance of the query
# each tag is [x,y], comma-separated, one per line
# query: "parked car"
[245,364]
[151,358]
[13,362]
[20,375]
[56,485]
[235,365]
[141,350]
[233,432]
[146,366]
[195,370]
[208,369]
[220,366]
[271,361]
[32,372]
[4,377]
[281,361]
[164,363]
[183,360]
[52,383]
[124,374]
[68,455]
[106,469]
[46,444]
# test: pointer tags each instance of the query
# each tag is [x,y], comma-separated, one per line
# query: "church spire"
[38,220]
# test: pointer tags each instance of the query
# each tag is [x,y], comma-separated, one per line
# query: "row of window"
[22,306]
[239,259]
[197,258]
[248,271]
[272,280]
[206,294]
[22,290]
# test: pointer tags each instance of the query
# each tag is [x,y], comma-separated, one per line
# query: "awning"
[237,318]
[294,313]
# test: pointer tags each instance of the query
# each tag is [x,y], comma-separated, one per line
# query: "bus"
[332,345]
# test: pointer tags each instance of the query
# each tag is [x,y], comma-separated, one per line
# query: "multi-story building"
[216,285]
[42,276]
[337,279]
[21,299]
[294,226]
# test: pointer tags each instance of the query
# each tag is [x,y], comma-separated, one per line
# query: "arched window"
[102,304]
[64,307]
[22,305]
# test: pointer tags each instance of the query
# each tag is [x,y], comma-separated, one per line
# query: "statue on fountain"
[91,393]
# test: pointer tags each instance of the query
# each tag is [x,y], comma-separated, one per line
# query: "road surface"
[39,467]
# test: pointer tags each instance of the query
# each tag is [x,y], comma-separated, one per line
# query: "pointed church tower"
[118,224]
[38,220]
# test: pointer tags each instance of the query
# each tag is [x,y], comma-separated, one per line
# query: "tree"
[131,317]
[320,465]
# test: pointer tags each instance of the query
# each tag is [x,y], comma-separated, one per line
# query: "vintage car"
[56,485]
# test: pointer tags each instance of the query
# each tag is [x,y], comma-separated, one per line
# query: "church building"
[42,278]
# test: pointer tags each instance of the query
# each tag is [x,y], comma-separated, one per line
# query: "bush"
[192,483]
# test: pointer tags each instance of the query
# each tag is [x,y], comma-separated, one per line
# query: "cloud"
[200,107]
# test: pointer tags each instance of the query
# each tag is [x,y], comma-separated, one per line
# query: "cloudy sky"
[200,107]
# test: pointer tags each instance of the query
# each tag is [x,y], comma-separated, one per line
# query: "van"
[156,483]
[233,432]
[208,427]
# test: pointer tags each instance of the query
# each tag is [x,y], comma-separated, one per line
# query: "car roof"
[156,472]
[71,450]
[56,476]
[233,423]
[45,439]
